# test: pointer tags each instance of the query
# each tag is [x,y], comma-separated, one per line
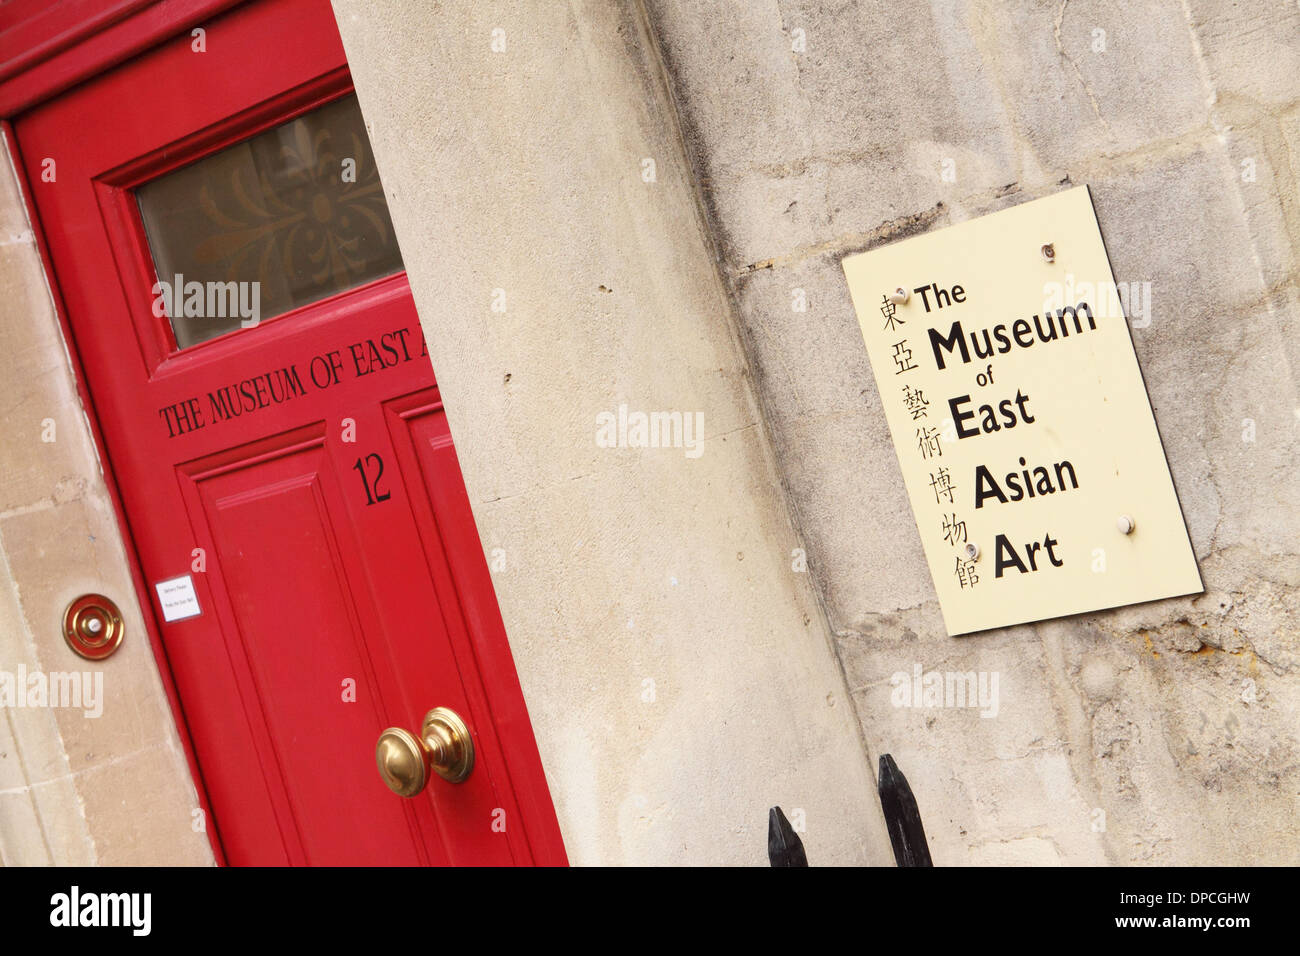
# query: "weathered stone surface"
[832,140]
[679,676]
[1083,80]
[1251,51]
[1118,733]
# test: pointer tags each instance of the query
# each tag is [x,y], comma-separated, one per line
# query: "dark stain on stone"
[894,229]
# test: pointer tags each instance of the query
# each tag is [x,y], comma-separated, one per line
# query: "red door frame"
[45,50]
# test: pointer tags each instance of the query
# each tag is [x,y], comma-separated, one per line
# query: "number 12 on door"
[377,495]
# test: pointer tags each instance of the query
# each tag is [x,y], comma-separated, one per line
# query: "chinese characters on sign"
[1022,426]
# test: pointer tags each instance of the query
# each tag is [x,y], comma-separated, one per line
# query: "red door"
[221,241]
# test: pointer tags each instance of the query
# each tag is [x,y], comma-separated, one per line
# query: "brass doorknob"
[444,746]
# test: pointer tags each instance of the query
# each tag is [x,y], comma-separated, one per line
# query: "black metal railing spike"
[784,848]
[902,816]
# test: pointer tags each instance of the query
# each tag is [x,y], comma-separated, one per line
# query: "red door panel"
[299,471]
[288,495]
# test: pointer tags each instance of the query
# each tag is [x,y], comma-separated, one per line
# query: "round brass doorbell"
[444,746]
[93,626]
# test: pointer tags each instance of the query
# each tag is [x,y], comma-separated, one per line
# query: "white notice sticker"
[177,598]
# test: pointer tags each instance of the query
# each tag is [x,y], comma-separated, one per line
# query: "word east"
[371,356]
[989,422]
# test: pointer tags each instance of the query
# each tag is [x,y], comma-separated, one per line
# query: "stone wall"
[679,676]
[1163,733]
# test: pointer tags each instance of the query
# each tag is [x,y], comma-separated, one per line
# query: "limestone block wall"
[1163,733]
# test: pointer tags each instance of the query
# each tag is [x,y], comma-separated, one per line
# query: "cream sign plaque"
[1007,374]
